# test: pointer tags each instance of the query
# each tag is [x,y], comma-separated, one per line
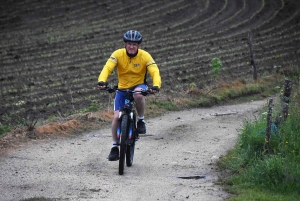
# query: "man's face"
[132,47]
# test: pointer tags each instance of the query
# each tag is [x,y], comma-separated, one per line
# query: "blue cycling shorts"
[120,96]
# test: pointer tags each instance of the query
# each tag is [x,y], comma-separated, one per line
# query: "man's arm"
[155,74]
[153,70]
[107,69]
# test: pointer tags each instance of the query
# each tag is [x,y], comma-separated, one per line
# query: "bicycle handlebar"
[110,89]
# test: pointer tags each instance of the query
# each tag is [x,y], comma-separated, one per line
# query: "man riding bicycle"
[132,66]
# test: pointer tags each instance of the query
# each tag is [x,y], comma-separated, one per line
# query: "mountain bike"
[126,132]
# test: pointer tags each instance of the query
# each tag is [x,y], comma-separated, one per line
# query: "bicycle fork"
[130,126]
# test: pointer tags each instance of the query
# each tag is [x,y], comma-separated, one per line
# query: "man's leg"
[114,126]
[114,153]
[140,104]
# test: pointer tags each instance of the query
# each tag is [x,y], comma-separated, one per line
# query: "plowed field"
[51,52]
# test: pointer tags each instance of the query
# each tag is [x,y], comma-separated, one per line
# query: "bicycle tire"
[130,148]
[123,145]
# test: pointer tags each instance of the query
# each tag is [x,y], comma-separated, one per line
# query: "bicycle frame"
[127,110]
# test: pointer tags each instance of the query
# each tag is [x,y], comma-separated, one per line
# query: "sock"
[115,144]
[141,118]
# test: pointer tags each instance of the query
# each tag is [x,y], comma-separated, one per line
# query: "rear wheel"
[123,145]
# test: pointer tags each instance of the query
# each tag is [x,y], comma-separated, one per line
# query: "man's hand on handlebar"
[102,85]
[154,89]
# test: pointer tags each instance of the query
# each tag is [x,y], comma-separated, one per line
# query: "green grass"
[166,105]
[91,108]
[237,91]
[5,129]
[259,195]
[257,176]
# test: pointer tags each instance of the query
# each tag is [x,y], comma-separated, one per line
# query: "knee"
[138,97]
[116,117]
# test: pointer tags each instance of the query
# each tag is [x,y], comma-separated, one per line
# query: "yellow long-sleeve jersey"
[131,71]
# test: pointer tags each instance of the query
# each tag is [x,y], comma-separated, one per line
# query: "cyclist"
[132,65]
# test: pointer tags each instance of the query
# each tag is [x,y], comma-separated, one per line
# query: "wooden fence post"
[287,90]
[252,60]
[268,129]
[286,98]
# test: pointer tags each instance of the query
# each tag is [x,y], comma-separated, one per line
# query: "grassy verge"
[256,176]
[234,92]
[98,116]
[188,96]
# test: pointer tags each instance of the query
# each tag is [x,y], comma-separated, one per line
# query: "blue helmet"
[132,36]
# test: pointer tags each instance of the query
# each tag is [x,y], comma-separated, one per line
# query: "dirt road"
[174,161]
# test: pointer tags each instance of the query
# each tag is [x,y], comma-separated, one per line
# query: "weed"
[192,85]
[216,64]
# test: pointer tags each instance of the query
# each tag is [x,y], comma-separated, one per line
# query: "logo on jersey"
[136,65]
[150,63]
[113,58]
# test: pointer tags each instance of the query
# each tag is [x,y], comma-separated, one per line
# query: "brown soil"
[51,52]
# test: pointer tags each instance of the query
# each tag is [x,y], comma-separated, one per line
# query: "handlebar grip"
[102,84]
[110,90]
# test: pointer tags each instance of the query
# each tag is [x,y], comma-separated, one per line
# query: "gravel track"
[174,161]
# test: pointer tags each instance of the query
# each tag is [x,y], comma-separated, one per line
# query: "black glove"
[101,84]
[111,90]
[155,88]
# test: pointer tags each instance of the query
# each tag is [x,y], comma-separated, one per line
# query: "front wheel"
[130,154]
[123,145]
[130,148]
